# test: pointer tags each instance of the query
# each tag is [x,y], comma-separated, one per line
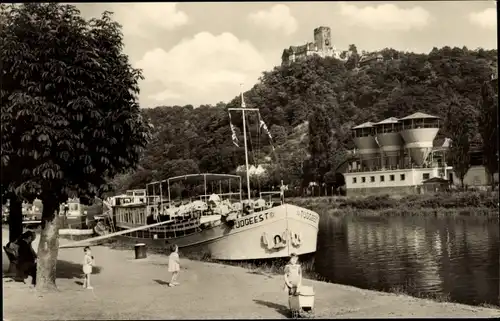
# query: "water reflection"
[455,257]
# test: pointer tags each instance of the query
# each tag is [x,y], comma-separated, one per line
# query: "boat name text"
[308,216]
[252,220]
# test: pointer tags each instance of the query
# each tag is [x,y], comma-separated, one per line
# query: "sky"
[200,53]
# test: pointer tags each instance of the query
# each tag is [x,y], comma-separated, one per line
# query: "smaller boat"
[73,215]
[32,213]
[80,220]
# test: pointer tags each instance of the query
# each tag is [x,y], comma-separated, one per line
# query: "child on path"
[293,275]
[88,262]
[174,265]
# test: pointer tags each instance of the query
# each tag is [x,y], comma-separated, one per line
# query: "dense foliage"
[70,121]
[488,118]
[191,139]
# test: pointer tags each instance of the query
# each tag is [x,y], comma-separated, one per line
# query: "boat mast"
[243,109]
[245,141]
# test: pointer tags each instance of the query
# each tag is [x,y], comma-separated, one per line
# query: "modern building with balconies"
[401,154]
[397,153]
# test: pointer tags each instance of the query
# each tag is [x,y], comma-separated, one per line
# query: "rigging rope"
[272,147]
[251,146]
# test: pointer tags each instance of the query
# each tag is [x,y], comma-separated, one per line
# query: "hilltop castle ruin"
[322,46]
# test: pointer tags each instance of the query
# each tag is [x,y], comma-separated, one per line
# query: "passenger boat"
[219,223]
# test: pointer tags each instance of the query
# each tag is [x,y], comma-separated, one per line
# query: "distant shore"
[125,288]
[476,204]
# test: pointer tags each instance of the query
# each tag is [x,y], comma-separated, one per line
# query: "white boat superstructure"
[226,229]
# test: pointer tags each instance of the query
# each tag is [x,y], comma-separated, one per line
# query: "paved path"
[125,288]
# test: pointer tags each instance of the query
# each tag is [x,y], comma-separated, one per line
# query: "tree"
[460,126]
[71,99]
[488,117]
[279,134]
[320,143]
[353,60]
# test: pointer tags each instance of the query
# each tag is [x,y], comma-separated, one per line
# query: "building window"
[354,180]
[382,178]
[391,177]
[372,179]
[402,177]
[363,179]
[425,176]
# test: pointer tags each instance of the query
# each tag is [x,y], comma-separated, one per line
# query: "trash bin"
[140,251]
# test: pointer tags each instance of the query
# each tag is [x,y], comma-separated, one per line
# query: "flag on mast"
[264,126]
[233,132]
[242,100]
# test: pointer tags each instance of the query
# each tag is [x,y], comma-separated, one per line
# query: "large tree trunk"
[48,247]
[15,225]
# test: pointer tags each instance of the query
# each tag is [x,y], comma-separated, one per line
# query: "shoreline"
[460,204]
[136,289]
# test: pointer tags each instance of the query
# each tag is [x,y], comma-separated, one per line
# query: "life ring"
[277,242]
[101,229]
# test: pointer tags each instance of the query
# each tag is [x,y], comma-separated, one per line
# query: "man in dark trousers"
[27,258]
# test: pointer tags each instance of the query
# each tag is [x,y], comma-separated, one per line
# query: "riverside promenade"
[125,288]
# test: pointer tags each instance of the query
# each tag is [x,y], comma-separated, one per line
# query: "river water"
[457,258]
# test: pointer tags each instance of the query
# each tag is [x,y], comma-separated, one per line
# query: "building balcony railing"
[390,168]
[416,126]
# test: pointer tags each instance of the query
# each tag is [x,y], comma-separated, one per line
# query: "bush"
[412,203]
[374,202]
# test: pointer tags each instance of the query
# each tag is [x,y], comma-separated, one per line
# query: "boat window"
[73,207]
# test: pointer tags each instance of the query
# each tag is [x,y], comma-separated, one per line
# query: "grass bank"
[477,204]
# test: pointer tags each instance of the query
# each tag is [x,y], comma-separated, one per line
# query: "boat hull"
[272,233]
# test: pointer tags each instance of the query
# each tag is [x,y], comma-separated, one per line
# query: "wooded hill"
[333,96]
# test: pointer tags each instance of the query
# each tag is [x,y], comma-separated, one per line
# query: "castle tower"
[323,38]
